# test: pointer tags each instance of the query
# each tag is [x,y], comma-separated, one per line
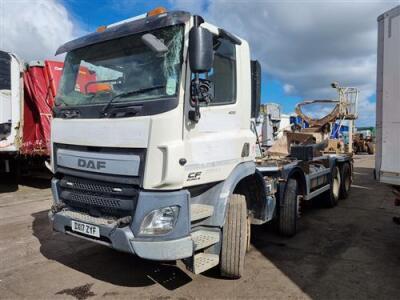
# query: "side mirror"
[201,60]
[201,52]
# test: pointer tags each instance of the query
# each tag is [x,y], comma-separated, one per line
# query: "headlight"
[159,221]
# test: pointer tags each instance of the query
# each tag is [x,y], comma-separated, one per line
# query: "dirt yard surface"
[350,251]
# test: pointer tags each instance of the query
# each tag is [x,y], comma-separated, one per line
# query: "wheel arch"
[298,174]
[253,187]
[218,195]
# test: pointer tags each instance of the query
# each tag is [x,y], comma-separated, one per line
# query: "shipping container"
[387,168]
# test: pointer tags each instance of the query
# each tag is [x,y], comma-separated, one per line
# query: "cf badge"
[194,176]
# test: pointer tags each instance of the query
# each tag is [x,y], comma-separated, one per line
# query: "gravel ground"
[351,251]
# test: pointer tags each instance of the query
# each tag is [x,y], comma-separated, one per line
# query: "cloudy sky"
[302,45]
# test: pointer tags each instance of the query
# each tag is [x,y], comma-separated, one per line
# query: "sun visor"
[125,29]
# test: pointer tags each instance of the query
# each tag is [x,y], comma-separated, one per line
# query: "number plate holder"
[86,229]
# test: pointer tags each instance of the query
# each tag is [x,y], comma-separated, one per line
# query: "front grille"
[98,198]
[87,185]
[89,199]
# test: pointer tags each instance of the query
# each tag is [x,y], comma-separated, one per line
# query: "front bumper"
[177,244]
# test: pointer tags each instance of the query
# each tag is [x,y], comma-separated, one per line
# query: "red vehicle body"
[41,83]
[40,86]
[26,109]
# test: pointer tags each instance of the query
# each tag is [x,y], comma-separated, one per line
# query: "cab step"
[204,238]
[202,262]
[200,211]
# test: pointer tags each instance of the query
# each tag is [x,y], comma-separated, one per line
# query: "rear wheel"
[332,196]
[288,210]
[345,184]
[13,176]
[234,238]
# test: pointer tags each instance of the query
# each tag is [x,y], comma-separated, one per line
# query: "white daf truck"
[160,159]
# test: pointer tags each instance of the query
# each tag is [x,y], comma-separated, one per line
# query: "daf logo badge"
[91,164]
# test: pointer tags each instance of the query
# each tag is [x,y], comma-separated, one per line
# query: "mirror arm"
[194,115]
[201,56]
[197,20]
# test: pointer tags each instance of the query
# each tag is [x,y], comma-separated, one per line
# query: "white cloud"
[34,29]
[307,44]
[288,88]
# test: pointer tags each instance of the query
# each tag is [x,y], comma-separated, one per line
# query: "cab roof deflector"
[125,29]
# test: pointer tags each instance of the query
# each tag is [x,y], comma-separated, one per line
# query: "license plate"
[85,228]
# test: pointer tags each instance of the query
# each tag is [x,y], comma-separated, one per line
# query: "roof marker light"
[101,28]
[156,11]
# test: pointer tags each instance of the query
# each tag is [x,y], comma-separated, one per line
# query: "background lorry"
[27,96]
[387,162]
[363,142]
[27,93]
[271,124]
[161,162]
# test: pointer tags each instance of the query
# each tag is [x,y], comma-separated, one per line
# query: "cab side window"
[223,73]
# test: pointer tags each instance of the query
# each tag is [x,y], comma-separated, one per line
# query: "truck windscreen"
[123,70]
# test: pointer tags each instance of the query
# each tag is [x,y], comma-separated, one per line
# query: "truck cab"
[156,156]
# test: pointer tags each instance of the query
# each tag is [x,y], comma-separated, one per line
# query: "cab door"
[215,144]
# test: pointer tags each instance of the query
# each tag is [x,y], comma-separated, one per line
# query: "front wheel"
[234,238]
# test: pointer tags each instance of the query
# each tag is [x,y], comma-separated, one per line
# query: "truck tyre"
[234,238]
[248,241]
[345,184]
[14,176]
[332,197]
[288,210]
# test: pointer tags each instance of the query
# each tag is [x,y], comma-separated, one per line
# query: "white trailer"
[11,91]
[387,165]
[11,110]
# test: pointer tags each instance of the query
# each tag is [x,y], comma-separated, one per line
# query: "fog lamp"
[159,221]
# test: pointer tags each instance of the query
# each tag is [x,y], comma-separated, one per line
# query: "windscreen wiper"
[60,100]
[128,94]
